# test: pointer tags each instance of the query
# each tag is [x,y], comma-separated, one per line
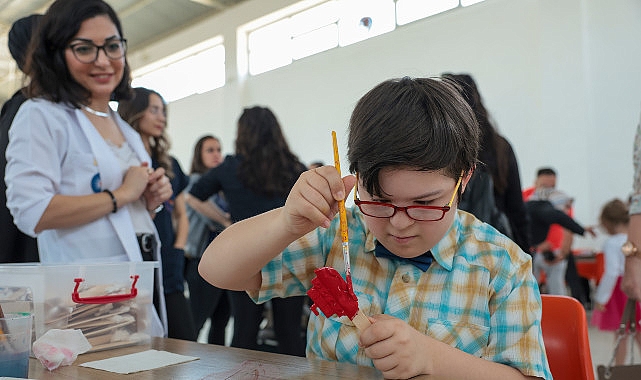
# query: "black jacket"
[16,247]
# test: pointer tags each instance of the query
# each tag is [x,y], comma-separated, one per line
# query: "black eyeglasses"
[419,213]
[87,51]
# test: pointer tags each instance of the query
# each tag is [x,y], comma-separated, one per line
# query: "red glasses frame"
[395,208]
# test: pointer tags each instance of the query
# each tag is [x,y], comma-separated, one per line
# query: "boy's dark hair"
[545,171]
[46,64]
[421,123]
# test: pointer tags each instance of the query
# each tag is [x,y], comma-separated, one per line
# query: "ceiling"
[143,22]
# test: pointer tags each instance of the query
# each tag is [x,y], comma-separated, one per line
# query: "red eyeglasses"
[419,213]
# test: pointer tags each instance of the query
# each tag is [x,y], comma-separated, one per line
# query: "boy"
[446,294]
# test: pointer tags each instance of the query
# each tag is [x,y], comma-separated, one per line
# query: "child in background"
[609,298]
[446,294]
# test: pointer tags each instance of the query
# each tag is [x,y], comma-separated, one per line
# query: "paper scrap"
[140,361]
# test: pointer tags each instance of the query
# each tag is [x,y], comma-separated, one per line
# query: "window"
[195,70]
[312,26]
[362,19]
[412,10]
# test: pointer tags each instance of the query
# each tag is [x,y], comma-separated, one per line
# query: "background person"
[497,156]
[78,176]
[254,180]
[16,246]
[206,300]
[609,298]
[631,282]
[146,113]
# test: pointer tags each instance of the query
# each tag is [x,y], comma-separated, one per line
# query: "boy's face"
[402,235]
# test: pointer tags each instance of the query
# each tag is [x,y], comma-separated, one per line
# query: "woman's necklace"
[94,112]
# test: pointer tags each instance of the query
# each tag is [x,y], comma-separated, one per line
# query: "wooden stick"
[361,321]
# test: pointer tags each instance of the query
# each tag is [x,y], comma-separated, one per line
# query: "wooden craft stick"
[361,321]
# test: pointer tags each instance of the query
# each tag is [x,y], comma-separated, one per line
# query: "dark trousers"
[207,301]
[179,320]
[180,323]
[579,286]
[287,314]
[16,247]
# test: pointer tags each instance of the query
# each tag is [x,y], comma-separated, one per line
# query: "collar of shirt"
[443,252]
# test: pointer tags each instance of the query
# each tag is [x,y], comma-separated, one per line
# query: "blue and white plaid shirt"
[479,295]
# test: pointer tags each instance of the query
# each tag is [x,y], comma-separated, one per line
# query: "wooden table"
[216,362]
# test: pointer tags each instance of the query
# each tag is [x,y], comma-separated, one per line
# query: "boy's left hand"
[397,349]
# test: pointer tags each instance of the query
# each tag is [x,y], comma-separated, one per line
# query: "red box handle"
[75,297]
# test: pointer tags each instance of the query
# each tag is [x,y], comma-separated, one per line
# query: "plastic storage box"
[112,303]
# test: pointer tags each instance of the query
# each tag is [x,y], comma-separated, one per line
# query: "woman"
[78,176]
[146,113]
[497,156]
[257,179]
[206,300]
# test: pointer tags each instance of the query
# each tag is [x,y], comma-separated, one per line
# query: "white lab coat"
[55,149]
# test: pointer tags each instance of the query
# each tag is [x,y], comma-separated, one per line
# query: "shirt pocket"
[470,338]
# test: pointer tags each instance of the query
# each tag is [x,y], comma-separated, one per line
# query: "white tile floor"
[601,346]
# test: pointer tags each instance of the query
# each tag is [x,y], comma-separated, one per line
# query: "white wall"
[561,79]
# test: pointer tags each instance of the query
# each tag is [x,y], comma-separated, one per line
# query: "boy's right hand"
[313,201]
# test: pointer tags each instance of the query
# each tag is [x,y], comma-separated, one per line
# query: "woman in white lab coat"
[78,177]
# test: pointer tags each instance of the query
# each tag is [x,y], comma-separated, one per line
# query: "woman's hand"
[158,189]
[313,201]
[396,348]
[133,185]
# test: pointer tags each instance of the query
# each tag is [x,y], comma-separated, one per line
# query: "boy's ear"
[349,182]
[466,179]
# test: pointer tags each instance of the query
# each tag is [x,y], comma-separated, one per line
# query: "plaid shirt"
[479,295]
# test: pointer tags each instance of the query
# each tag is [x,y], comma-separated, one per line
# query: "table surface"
[216,362]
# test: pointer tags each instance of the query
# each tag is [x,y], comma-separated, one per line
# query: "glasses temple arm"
[458,184]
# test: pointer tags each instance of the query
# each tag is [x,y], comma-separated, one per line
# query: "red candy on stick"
[333,295]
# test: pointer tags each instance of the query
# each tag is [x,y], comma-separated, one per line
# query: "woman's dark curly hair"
[46,65]
[267,165]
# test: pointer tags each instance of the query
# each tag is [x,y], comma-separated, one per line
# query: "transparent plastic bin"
[112,303]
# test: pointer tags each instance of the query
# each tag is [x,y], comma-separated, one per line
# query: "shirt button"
[406,278]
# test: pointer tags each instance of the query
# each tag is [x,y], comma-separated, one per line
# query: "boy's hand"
[397,349]
[313,201]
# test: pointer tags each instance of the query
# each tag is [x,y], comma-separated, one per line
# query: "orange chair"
[565,336]
[592,267]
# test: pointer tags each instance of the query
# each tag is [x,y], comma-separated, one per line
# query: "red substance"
[332,294]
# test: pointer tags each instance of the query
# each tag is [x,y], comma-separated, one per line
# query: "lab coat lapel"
[111,178]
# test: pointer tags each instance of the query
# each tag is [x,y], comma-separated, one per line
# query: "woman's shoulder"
[44,105]
[43,114]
